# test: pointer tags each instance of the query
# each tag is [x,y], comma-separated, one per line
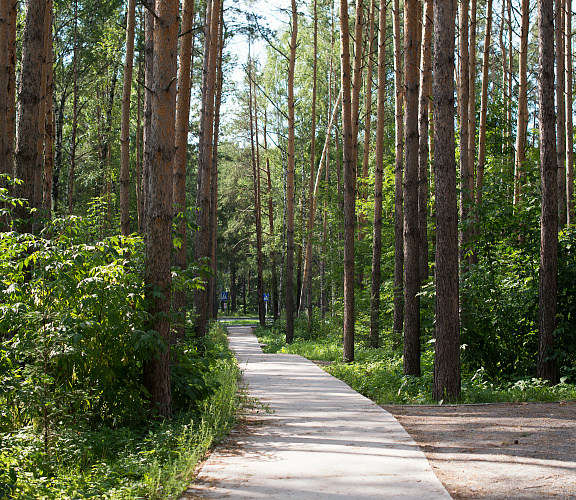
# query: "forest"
[389,181]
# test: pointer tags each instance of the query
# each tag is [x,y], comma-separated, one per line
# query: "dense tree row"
[304,197]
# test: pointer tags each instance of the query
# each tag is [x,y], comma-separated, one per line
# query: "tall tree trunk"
[349,180]
[509,156]
[30,92]
[137,145]
[472,100]
[522,123]
[74,112]
[398,174]
[49,120]
[561,112]
[39,169]
[146,134]
[505,90]
[7,87]
[5,167]
[181,146]
[313,203]
[160,193]
[483,107]
[59,125]
[271,226]
[547,368]
[424,105]
[379,167]
[357,81]
[463,107]
[125,121]
[307,280]
[205,164]
[213,299]
[411,233]
[368,109]
[253,113]
[447,355]
[569,121]
[290,184]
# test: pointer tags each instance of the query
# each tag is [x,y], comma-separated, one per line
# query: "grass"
[155,462]
[377,373]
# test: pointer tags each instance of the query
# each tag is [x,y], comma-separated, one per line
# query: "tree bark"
[213,299]
[5,167]
[252,109]
[49,120]
[74,112]
[39,169]
[522,123]
[561,112]
[307,278]
[147,131]
[274,277]
[27,132]
[137,145]
[411,232]
[204,166]
[446,382]
[11,82]
[357,82]
[472,100]
[290,184]
[368,107]
[569,123]
[379,167]
[424,105]
[159,241]
[125,121]
[546,367]
[181,146]
[483,107]
[349,182]
[463,107]
[398,174]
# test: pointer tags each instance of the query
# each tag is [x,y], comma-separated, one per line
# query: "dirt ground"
[498,451]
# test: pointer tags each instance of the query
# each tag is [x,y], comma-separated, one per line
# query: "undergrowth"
[154,461]
[377,373]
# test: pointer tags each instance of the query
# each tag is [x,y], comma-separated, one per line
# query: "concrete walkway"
[322,441]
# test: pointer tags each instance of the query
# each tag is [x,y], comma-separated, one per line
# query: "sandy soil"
[498,451]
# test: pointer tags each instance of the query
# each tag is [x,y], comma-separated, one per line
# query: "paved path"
[322,441]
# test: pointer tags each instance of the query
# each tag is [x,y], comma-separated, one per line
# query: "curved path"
[321,439]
